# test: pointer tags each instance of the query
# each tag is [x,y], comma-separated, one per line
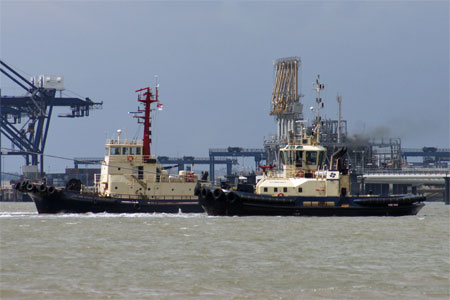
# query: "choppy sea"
[193,256]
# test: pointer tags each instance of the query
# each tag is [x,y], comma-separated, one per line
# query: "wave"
[100,215]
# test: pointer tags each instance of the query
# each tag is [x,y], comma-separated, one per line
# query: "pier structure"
[406,181]
[190,161]
[258,154]
[77,161]
[181,162]
[25,120]
[431,156]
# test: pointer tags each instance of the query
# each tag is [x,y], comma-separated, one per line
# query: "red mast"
[147,97]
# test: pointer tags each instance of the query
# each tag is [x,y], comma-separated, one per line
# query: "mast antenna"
[146,97]
[339,133]
[318,87]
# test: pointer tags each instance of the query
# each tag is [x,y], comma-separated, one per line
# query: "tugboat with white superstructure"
[131,179]
[305,186]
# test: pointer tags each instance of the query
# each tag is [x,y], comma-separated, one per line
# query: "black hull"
[218,202]
[64,201]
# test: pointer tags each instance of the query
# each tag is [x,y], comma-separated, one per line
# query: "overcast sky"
[388,59]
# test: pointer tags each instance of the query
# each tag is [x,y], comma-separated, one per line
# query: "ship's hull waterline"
[218,202]
[64,201]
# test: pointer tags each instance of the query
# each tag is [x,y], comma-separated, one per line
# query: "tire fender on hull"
[30,187]
[234,204]
[42,188]
[206,197]
[23,185]
[51,190]
[218,193]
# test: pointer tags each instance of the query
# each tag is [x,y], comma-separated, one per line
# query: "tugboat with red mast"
[131,179]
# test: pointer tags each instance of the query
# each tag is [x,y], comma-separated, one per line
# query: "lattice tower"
[286,106]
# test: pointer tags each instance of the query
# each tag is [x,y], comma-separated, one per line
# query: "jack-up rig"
[25,120]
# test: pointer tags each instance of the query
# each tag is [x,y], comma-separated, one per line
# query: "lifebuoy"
[300,173]
[280,195]
[130,158]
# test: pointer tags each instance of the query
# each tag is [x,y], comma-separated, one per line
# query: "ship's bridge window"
[115,150]
[125,150]
[311,157]
[291,157]
[298,158]
[288,157]
[320,159]
[132,150]
[281,158]
[138,150]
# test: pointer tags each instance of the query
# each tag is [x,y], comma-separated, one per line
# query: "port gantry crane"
[25,120]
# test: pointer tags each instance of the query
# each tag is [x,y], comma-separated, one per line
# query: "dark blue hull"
[219,202]
[64,201]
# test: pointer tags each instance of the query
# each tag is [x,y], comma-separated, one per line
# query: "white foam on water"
[9,214]
[121,215]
